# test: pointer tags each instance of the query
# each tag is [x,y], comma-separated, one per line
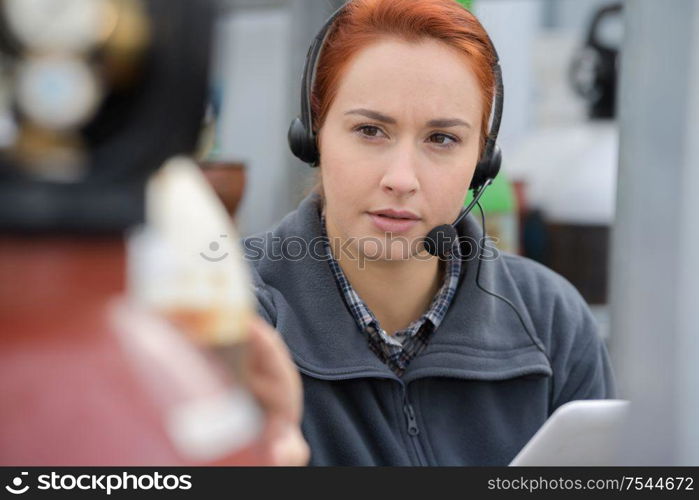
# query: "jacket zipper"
[413,429]
[412,423]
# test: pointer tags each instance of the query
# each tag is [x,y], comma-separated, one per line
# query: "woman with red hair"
[408,357]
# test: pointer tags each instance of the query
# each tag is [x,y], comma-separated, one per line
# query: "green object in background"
[500,205]
[499,197]
[466,3]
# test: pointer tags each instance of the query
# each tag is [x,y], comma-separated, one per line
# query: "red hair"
[363,22]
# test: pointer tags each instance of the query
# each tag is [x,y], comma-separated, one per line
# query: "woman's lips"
[392,225]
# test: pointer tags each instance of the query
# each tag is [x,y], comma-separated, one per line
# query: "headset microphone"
[440,240]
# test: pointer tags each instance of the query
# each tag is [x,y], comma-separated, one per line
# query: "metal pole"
[655,240]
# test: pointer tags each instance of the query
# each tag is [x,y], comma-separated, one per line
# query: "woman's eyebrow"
[438,123]
[447,122]
[374,115]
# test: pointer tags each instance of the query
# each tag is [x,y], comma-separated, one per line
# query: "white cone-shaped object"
[186,262]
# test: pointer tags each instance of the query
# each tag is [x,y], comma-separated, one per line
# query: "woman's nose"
[400,177]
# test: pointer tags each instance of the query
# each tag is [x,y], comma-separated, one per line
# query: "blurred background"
[598,176]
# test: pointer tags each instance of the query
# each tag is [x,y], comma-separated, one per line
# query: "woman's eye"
[369,130]
[443,139]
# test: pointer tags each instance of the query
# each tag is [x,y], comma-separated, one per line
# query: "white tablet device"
[586,432]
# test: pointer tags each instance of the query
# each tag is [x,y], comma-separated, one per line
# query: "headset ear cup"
[478,177]
[301,144]
[487,168]
[495,163]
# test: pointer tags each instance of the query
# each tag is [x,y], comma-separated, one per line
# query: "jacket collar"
[480,336]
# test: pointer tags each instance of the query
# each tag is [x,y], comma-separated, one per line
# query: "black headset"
[593,72]
[302,138]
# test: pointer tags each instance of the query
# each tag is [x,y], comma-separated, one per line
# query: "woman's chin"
[387,247]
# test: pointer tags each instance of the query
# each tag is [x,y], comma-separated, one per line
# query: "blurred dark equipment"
[579,252]
[589,269]
[595,68]
[577,247]
[147,77]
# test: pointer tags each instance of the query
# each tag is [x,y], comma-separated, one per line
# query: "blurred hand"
[274,380]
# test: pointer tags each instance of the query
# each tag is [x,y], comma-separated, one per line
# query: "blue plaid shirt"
[398,350]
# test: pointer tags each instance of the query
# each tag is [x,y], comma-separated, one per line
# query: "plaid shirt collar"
[397,350]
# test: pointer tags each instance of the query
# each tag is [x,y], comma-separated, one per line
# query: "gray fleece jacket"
[473,396]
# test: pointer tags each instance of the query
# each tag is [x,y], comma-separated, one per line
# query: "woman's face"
[401,135]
